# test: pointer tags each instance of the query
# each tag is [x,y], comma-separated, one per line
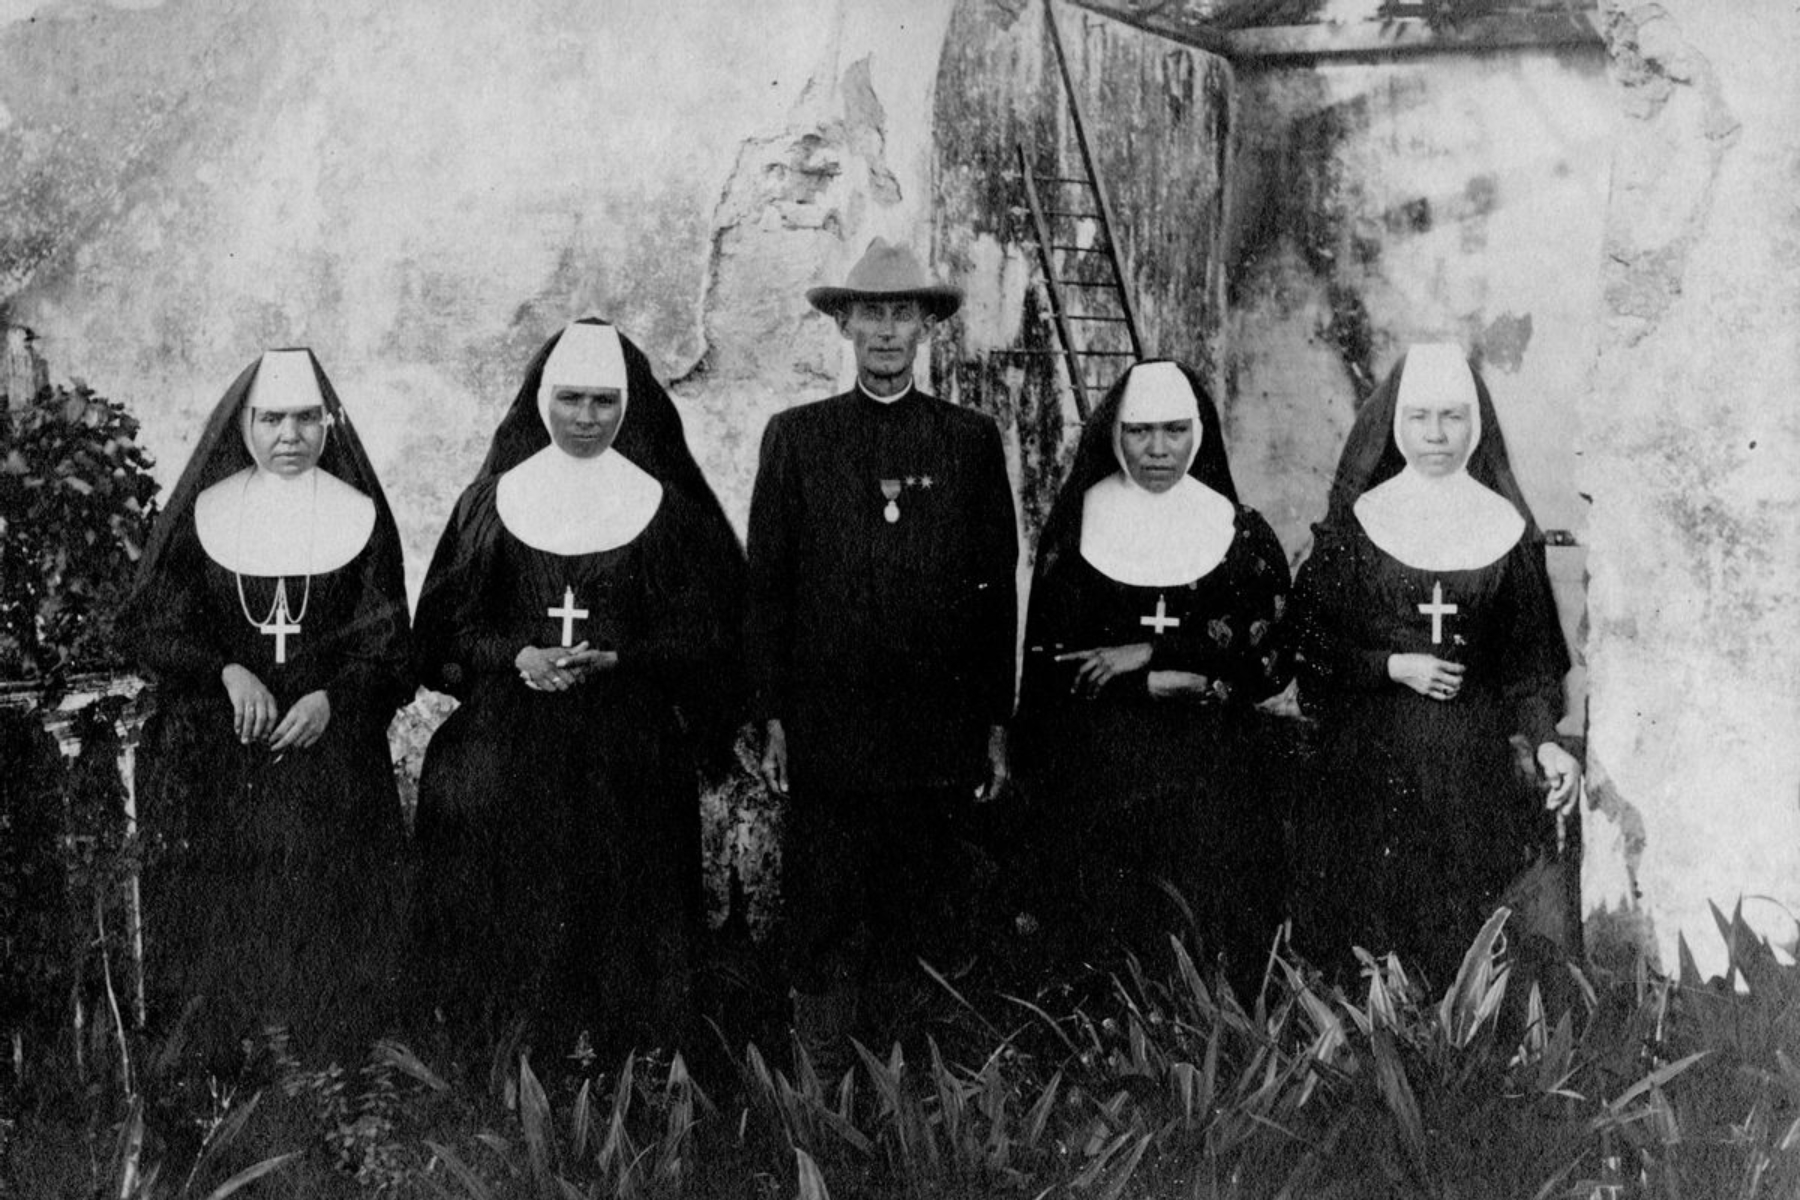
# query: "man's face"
[886,336]
[584,421]
[288,441]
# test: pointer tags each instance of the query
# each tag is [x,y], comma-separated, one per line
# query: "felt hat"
[888,272]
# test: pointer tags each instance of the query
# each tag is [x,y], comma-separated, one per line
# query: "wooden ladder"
[1080,258]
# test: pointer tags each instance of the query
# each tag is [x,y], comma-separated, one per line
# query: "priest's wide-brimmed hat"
[888,272]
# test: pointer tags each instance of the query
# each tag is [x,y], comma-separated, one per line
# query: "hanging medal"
[891,489]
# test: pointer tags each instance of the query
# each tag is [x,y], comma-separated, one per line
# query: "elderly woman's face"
[584,421]
[1435,437]
[287,441]
[1156,452]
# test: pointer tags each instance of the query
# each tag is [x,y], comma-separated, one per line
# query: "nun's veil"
[1095,460]
[220,453]
[1371,457]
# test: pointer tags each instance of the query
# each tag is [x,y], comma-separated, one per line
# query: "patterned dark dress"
[1132,790]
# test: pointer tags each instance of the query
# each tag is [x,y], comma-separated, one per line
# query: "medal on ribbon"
[891,489]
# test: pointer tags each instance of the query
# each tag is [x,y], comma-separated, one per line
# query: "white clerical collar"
[1155,539]
[257,522]
[901,394]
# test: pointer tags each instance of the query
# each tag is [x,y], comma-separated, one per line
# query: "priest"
[881,640]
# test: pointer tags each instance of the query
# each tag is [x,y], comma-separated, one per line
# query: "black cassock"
[272,881]
[1424,814]
[1128,790]
[559,831]
[885,646]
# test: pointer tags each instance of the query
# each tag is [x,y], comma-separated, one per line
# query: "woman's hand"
[1426,674]
[304,723]
[1173,685]
[1098,667]
[252,704]
[558,668]
[1562,772]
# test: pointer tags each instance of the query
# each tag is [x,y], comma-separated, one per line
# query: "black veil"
[1095,460]
[1370,456]
[220,453]
[652,438]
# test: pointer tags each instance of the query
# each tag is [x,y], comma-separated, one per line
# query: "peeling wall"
[1158,119]
[1692,456]
[1376,204]
[423,193]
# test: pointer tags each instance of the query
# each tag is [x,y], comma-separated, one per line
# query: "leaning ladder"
[1090,268]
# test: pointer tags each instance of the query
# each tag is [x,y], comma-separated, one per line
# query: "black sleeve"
[374,671]
[172,633]
[1533,656]
[774,527]
[1244,646]
[454,637]
[1332,662]
[995,529]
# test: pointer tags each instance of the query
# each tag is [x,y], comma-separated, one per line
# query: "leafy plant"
[76,502]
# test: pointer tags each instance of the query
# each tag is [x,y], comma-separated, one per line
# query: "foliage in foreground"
[1167,1088]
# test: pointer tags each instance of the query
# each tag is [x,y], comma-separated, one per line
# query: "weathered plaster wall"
[1158,118]
[423,192]
[1376,204]
[1692,456]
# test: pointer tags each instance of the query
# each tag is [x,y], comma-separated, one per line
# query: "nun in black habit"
[583,605]
[270,614]
[1429,638]
[1152,633]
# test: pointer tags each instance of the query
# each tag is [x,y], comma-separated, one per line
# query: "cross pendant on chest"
[568,614]
[1438,610]
[281,625]
[1160,620]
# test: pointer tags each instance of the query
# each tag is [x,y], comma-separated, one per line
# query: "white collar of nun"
[256,522]
[1155,539]
[1439,523]
[561,504]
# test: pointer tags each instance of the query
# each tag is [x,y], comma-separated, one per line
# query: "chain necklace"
[280,622]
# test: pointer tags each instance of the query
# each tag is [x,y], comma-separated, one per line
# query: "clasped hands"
[253,710]
[559,668]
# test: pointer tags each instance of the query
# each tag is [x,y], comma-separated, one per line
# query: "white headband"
[586,356]
[1154,393]
[1437,374]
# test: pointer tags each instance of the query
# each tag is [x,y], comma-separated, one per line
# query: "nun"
[1151,635]
[583,605]
[269,613]
[1429,641]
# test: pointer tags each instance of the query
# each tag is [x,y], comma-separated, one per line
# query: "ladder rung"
[1079,249]
[1085,216]
[1084,283]
[1093,317]
[1061,179]
[1104,353]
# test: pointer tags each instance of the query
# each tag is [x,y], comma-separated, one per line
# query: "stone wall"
[1691,438]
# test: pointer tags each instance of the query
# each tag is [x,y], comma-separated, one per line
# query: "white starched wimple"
[568,614]
[1160,620]
[281,624]
[1437,610]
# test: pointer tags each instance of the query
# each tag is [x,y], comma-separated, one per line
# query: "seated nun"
[583,605]
[1150,637]
[1429,637]
[270,614]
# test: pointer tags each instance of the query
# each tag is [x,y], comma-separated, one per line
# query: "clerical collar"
[899,395]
